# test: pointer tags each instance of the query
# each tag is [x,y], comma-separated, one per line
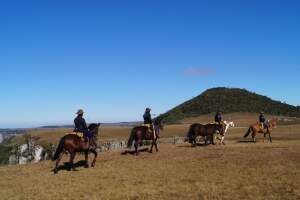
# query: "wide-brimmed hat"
[261,112]
[80,112]
[148,109]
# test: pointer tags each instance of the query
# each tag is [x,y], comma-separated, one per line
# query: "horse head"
[158,123]
[94,127]
[273,122]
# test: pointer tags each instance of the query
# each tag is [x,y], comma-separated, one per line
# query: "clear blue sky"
[115,57]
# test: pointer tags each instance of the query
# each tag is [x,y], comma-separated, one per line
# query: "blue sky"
[113,58]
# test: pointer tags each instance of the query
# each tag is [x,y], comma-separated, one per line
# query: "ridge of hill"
[229,100]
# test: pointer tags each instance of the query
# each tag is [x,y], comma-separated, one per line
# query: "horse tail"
[131,138]
[59,149]
[248,132]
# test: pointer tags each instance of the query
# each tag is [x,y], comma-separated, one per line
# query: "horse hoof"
[86,166]
[55,171]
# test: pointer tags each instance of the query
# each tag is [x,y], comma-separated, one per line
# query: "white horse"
[228,124]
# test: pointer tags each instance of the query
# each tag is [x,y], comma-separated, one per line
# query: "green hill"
[229,100]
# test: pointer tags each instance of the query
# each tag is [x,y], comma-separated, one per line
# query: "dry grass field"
[238,170]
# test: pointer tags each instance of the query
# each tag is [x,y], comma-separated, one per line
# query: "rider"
[148,120]
[218,117]
[262,120]
[80,125]
[147,117]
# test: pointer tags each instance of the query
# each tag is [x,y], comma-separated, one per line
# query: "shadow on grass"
[67,165]
[245,141]
[132,152]
[190,146]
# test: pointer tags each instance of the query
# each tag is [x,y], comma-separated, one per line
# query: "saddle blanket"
[147,125]
[76,133]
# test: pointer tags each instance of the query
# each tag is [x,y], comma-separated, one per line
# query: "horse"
[206,131]
[227,125]
[256,128]
[72,143]
[140,133]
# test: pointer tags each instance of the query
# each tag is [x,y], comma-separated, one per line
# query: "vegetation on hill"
[229,100]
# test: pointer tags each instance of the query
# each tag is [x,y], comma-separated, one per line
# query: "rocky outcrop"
[26,153]
[113,145]
[32,152]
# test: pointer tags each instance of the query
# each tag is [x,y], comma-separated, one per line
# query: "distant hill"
[229,100]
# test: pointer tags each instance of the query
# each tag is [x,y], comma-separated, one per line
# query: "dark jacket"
[218,117]
[262,118]
[147,118]
[80,124]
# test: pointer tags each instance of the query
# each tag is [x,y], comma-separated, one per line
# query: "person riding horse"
[262,120]
[218,117]
[81,127]
[148,121]
[147,117]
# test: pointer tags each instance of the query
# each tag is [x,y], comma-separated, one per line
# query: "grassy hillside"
[229,100]
[235,171]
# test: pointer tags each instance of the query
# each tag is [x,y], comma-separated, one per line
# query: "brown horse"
[207,131]
[256,128]
[140,133]
[72,143]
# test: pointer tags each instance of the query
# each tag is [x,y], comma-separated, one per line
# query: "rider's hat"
[148,109]
[261,112]
[80,112]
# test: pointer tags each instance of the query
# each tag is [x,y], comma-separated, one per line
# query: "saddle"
[79,134]
[150,130]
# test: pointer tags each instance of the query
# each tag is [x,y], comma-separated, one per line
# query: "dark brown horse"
[140,133]
[72,143]
[207,131]
[256,128]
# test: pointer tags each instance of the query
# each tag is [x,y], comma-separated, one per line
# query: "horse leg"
[136,146]
[253,136]
[57,163]
[222,140]
[194,144]
[72,156]
[152,146]
[212,140]
[86,154]
[264,137]
[155,143]
[95,156]
[270,138]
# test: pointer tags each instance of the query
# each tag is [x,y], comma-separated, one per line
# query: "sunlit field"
[238,170]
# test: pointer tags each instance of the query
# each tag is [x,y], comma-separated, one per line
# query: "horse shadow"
[132,152]
[197,145]
[67,166]
[245,141]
